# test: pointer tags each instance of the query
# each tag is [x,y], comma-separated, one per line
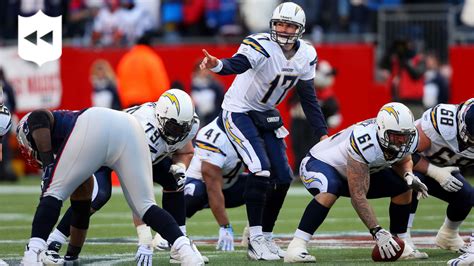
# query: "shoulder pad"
[254,42]
[443,119]
[362,143]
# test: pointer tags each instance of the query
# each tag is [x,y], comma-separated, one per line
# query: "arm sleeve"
[235,65]
[311,108]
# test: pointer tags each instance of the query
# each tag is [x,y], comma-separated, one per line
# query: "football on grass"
[376,253]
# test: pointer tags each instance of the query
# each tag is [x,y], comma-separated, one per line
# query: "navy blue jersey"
[64,121]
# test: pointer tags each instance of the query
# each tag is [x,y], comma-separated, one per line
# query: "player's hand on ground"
[415,183]
[144,255]
[226,239]
[209,61]
[387,245]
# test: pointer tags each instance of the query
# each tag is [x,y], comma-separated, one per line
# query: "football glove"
[178,170]
[444,176]
[387,245]
[46,177]
[144,255]
[415,183]
[226,238]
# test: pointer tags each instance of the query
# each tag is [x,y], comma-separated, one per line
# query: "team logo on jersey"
[256,46]
[208,147]
[173,100]
[391,111]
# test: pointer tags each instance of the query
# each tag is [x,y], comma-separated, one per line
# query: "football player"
[446,145]
[356,163]
[214,179]
[84,141]
[267,65]
[5,123]
[168,131]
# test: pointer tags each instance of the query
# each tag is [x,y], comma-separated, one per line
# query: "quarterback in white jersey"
[271,77]
[214,179]
[356,163]
[446,148]
[267,65]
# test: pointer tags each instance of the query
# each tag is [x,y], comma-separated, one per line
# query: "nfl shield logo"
[39,38]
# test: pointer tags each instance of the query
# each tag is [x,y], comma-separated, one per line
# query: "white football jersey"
[159,149]
[440,125]
[358,141]
[213,146]
[265,85]
[5,120]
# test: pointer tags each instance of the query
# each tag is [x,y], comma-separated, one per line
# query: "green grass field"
[111,237]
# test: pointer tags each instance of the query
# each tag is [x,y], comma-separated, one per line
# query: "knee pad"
[103,196]
[80,213]
[256,188]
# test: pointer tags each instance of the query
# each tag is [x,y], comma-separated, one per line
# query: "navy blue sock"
[254,195]
[275,197]
[163,223]
[414,202]
[65,223]
[46,216]
[173,202]
[399,218]
[313,217]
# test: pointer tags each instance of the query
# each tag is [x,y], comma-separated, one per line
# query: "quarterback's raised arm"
[359,181]
[311,108]
[235,65]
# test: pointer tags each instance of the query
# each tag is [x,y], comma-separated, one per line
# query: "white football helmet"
[396,130]
[466,122]
[26,147]
[175,114]
[290,13]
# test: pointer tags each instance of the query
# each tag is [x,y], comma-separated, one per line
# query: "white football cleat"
[412,254]
[245,237]
[449,239]
[274,248]
[186,254]
[3,263]
[297,252]
[464,259]
[258,250]
[41,257]
[159,243]
[468,247]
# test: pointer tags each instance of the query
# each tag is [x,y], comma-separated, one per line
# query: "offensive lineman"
[267,65]
[447,144]
[214,179]
[355,163]
[115,140]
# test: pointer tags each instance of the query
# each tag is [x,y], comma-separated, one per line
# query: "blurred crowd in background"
[122,22]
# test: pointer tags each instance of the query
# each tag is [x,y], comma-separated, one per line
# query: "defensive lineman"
[84,141]
[267,67]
